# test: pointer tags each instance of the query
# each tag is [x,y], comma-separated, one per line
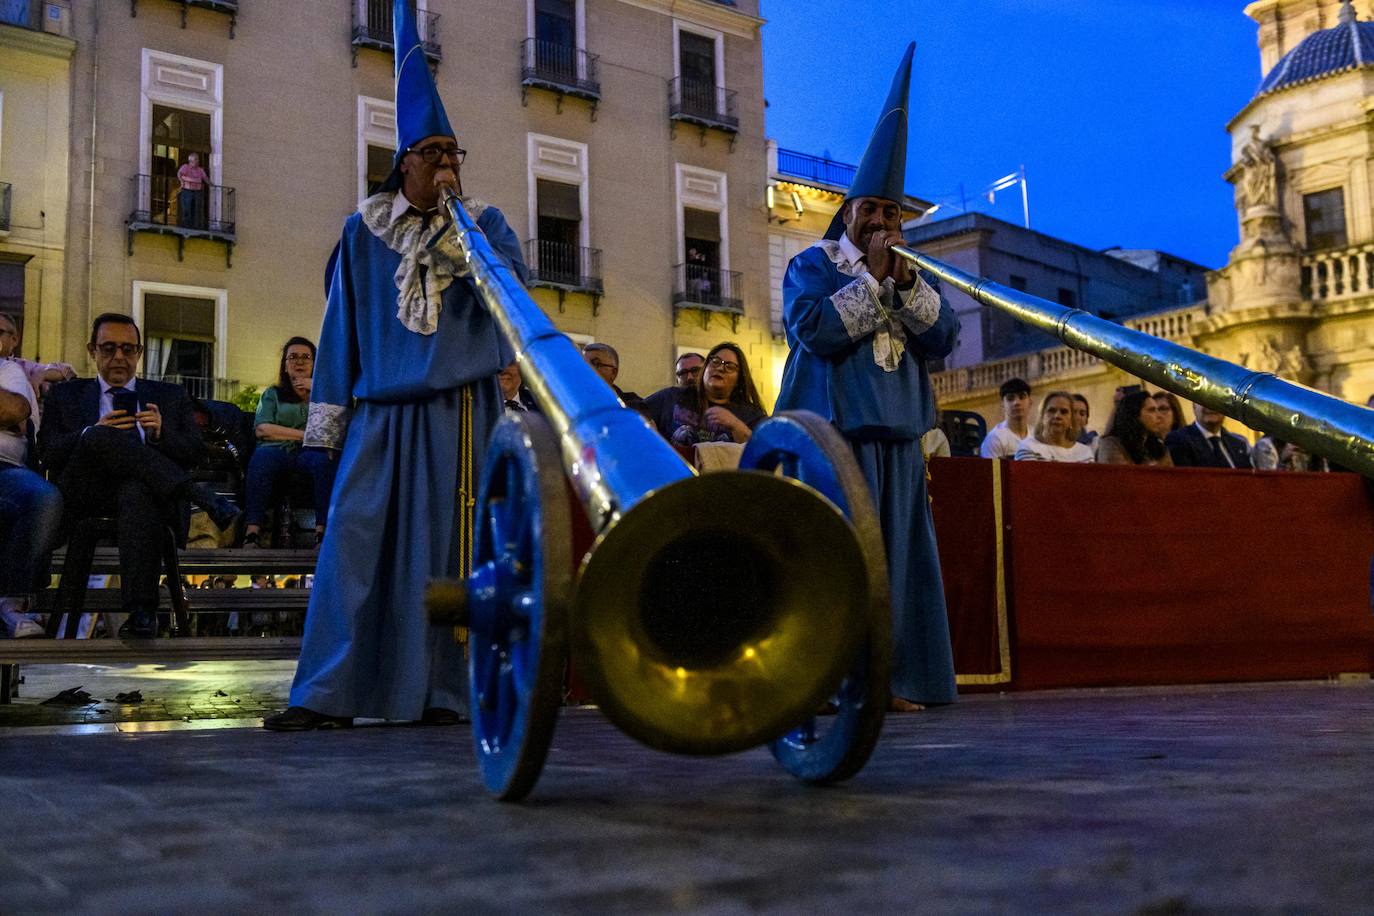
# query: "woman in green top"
[280,428]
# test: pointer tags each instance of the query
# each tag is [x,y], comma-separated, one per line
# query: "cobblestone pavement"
[1187,800]
[179,692]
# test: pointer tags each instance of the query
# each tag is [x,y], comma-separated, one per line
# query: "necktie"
[1218,453]
[513,404]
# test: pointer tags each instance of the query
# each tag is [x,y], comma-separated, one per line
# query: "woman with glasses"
[280,428]
[723,406]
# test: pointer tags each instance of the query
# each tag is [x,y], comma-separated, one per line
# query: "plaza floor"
[1241,799]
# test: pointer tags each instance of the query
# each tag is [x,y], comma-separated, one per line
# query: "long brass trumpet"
[1320,423]
[712,614]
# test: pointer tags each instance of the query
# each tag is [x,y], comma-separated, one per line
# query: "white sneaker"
[19,624]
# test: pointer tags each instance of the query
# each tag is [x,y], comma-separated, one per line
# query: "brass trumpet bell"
[719,612]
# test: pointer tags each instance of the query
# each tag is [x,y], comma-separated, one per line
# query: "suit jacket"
[72,406]
[1190,449]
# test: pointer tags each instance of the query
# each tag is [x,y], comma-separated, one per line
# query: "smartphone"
[127,402]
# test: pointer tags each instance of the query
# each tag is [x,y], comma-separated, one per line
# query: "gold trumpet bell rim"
[719,612]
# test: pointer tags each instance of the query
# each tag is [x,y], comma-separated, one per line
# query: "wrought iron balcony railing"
[1342,273]
[565,268]
[201,387]
[696,286]
[372,29]
[162,206]
[4,206]
[559,68]
[700,103]
[816,168]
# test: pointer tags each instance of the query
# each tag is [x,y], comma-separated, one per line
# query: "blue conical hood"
[419,110]
[882,171]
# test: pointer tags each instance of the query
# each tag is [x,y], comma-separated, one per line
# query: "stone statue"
[1259,185]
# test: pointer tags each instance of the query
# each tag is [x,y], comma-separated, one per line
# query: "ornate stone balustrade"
[1348,273]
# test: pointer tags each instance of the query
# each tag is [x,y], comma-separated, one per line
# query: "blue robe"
[857,357]
[402,337]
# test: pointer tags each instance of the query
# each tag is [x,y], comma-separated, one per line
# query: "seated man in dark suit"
[120,446]
[1205,444]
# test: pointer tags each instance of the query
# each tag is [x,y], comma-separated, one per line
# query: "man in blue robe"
[860,325]
[405,388]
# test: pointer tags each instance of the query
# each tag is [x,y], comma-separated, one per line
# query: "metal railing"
[1345,273]
[4,206]
[1058,362]
[815,168]
[564,266]
[698,102]
[202,387]
[160,201]
[372,28]
[558,66]
[699,286]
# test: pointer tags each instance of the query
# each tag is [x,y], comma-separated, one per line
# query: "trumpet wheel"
[518,597]
[828,749]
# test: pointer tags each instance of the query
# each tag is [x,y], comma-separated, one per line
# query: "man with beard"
[860,325]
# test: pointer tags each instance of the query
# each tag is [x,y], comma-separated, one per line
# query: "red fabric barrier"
[1121,576]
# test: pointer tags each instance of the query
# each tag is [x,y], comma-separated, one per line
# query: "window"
[181,114]
[177,136]
[558,251]
[183,333]
[559,230]
[700,73]
[555,34]
[376,143]
[1324,215]
[1067,298]
[12,294]
[701,238]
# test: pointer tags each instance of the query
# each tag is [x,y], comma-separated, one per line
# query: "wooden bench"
[14,652]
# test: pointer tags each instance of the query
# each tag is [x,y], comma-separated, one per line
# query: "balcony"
[229,8]
[560,69]
[372,29]
[702,105]
[4,206]
[51,16]
[160,207]
[1338,275]
[816,169]
[566,269]
[201,387]
[707,290]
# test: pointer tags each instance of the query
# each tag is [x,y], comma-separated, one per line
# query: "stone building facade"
[1297,295]
[616,135]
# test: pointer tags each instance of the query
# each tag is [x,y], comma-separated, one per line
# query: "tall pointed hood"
[419,110]
[882,171]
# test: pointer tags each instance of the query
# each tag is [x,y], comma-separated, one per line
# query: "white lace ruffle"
[865,307]
[326,425]
[922,308]
[419,292]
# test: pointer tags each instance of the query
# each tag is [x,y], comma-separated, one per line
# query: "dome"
[1348,46]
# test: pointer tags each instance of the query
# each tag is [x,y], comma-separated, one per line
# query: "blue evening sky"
[1117,109]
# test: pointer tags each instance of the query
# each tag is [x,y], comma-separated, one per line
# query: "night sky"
[1117,109]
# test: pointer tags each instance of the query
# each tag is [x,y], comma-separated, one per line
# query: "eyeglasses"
[598,364]
[434,153]
[300,358]
[685,373]
[723,365]
[108,350]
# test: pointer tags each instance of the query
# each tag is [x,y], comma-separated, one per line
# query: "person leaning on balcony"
[1053,439]
[280,428]
[110,460]
[1002,440]
[405,388]
[192,180]
[1133,434]
[861,325]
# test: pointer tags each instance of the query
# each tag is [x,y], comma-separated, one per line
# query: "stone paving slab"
[1202,800]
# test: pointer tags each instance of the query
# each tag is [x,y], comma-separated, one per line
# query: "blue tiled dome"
[1348,46]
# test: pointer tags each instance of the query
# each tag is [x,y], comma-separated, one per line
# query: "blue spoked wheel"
[828,749]
[518,598]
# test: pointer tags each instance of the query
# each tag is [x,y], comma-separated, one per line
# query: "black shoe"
[300,719]
[140,625]
[437,715]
